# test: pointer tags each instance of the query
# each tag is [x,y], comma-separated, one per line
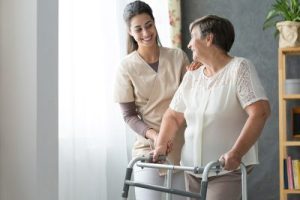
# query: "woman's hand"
[232,160]
[169,147]
[152,135]
[160,150]
[193,66]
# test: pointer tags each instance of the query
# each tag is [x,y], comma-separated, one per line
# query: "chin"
[149,44]
[195,58]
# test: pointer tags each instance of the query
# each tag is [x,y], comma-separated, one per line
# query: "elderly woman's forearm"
[171,123]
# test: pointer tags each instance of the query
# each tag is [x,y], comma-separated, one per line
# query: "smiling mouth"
[147,39]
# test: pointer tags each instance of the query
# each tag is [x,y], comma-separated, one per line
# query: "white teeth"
[147,39]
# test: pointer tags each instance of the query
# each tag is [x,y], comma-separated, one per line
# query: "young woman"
[145,84]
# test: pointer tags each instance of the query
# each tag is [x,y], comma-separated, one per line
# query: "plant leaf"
[270,19]
[282,10]
[276,33]
[271,14]
[269,24]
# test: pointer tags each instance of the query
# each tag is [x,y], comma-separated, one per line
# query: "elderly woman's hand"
[232,160]
[158,151]
[169,146]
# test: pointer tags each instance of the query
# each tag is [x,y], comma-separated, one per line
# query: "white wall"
[28,100]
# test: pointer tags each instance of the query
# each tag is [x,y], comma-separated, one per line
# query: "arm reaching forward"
[171,123]
[258,113]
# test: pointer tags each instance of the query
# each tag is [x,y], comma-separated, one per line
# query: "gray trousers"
[223,187]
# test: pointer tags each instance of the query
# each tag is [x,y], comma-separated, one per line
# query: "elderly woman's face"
[196,44]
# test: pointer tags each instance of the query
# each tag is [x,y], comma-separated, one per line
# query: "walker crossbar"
[163,189]
[195,170]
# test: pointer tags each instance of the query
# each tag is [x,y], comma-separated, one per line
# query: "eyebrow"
[138,26]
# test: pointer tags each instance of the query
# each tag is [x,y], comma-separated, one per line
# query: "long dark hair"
[132,9]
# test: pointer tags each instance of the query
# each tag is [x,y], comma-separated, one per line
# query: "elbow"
[266,111]
[173,117]
[260,110]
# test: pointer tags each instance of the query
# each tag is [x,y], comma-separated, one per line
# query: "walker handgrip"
[159,159]
[162,158]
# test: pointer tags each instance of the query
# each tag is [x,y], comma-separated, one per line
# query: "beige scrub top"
[152,92]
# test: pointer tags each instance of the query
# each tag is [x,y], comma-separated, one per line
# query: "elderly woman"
[224,106]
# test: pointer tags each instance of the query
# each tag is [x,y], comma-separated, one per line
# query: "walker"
[145,161]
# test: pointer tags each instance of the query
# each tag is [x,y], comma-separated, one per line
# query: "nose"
[146,32]
[189,46]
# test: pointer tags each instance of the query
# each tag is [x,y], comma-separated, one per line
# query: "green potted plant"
[285,16]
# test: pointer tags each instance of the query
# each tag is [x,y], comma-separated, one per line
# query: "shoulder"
[193,75]
[240,64]
[128,61]
[243,61]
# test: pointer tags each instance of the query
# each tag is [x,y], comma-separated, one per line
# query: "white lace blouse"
[214,110]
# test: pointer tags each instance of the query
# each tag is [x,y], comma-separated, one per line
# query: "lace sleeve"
[249,88]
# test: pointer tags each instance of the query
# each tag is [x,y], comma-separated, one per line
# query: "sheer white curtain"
[92,141]
[91,135]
